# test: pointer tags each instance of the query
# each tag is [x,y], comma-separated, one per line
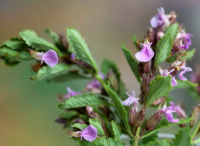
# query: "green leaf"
[188,55]
[116,130]
[184,84]
[79,126]
[182,138]
[164,124]
[173,30]
[172,59]
[119,107]
[134,38]
[80,48]
[82,101]
[68,114]
[15,44]
[159,87]
[97,124]
[159,143]
[53,35]
[32,40]
[163,49]
[49,72]
[132,63]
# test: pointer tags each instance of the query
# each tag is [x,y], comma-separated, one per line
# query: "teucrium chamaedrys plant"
[103,110]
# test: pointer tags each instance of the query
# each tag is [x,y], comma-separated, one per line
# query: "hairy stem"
[137,136]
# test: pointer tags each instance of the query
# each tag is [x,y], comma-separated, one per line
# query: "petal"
[89,133]
[128,101]
[50,58]
[146,54]
[174,82]
[170,118]
[181,77]
[133,93]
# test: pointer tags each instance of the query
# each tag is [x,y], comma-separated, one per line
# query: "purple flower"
[146,53]
[89,133]
[185,40]
[50,57]
[73,57]
[131,100]
[180,112]
[185,69]
[71,93]
[160,19]
[168,113]
[167,73]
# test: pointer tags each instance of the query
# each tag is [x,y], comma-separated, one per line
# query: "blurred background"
[28,110]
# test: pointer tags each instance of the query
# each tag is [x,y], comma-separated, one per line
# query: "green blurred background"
[28,110]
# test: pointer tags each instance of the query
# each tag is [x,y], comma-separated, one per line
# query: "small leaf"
[15,44]
[132,63]
[97,124]
[159,143]
[80,48]
[119,107]
[49,72]
[110,142]
[188,55]
[159,87]
[184,84]
[82,101]
[116,131]
[32,40]
[171,59]
[53,35]
[163,49]
[182,138]
[68,114]
[79,126]
[173,30]
[164,124]
[134,38]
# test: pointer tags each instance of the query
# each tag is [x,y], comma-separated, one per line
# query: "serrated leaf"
[182,138]
[97,124]
[116,130]
[173,30]
[15,44]
[79,126]
[132,63]
[82,101]
[159,143]
[164,124]
[49,72]
[184,84]
[163,49]
[134,38]
[80,48]
[32,40]
[159,87]
[120,108]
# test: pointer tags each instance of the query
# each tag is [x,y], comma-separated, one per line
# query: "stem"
[137,136]
[197,141]
[101,81]
[195,130]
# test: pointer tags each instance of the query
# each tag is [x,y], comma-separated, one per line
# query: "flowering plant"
[103,111]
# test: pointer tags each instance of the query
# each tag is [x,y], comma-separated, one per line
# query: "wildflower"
[131,100]
[168,113]
[167,73]
[50,57]
[146,53]
[185,40]
[180,112]
[71,93]
[89,133]
[73,57]
[160,19]
[185,69]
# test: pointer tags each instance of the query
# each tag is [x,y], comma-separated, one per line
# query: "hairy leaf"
[159,87]
[116,130]
[132,63]
[119,107]
[159,143]
[49,72]
[79,126]
[80,48]
[82,101]
[173,30]
[15,44]
[97,124]
[182,138]
[163,49]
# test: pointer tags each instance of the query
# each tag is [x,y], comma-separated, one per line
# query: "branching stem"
[137,136]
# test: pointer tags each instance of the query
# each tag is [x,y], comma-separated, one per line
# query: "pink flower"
[185,69]
[160,19]
[89,133]
[185,40]
[146,53]
[180,112]
[168,113]
[50,57]
[71,93]
[167,73]
[131,100]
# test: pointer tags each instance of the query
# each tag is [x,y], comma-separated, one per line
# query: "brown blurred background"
[28,109]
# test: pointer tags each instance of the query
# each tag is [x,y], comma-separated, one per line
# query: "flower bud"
[132,115]
[91,113]
[113,80]
[194,115]
[153,121]
[158,101]
[139,118]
